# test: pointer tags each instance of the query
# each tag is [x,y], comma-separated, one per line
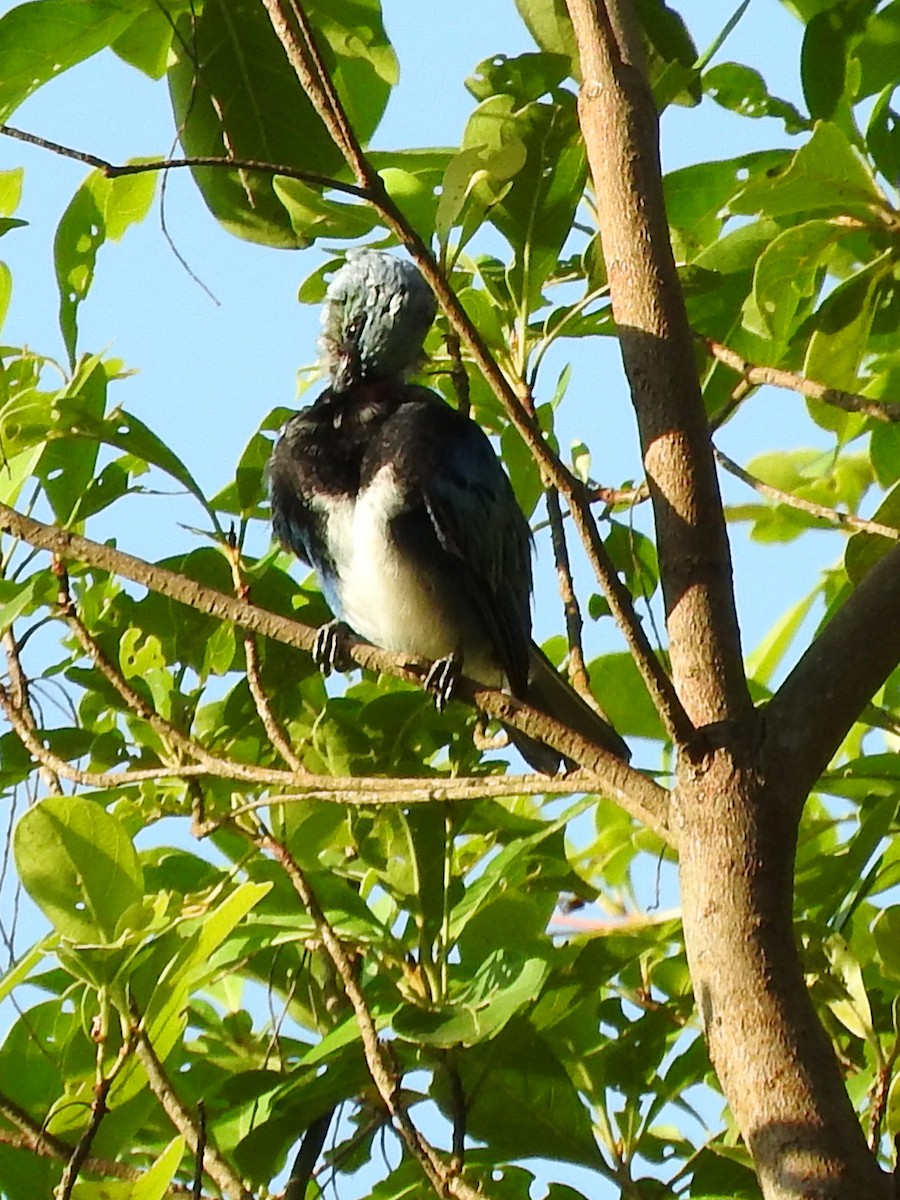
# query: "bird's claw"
[329,649]
[442,678]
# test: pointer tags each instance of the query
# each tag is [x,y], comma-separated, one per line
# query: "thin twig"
[659,684]
[275,731]
[574,623]
[457,373]
[739,393]
[378,1061]
[220,1172]
[32,1136]
[641,798]
[821,511]
[117,170]
[18,689]
[373,190]
[200,1152]
[881,410]
[458,1111]
[612,496]
[612,777]
[307,1156]
[98,1112]
[166,731]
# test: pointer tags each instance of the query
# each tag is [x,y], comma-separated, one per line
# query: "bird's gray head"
[377,311]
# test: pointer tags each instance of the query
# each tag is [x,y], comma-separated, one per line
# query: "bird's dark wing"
[315,466]
[451,470]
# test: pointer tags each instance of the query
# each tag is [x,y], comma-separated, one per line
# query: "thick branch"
[834,680]
[611,776]
[620,130]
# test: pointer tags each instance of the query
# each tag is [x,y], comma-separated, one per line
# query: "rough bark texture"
[620,129]
[773,1059]
[736,808]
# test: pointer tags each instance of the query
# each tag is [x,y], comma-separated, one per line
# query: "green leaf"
[670,54]
[886,931]
[852,1008]
[617,684]
[826,173]
[178,973]
[520,1099]
[698,196]
[769,654]
[152,1184]
[68,463]
[10,189]
[876,51]
[312,216]
[43,38]
[9,223]
[526,77]
[883,135]
[884,451]
[147,42]
[78,865]
[126,432]
[634,556]
[504,984]
[865,549]
[101,208]
[413,179]
[251,105]
[18,597]
[5,291]
[823,63]
[549,24]
[19,971]
[535,213]
[788,274]
[843,321]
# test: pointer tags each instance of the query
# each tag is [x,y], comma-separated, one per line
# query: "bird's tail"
[550,692]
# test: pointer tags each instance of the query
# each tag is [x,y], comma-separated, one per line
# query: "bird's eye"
[355,327]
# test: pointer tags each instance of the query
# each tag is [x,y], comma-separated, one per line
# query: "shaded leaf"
[520,1099]
[235,94]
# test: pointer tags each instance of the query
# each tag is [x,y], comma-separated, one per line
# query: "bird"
[400,504]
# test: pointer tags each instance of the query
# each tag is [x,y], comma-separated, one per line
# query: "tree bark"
[621,136]
[736,807]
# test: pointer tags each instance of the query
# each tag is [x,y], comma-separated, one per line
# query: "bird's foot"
[483,740]
[442,678]
[329,650]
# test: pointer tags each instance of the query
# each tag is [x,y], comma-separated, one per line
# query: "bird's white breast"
[385,599]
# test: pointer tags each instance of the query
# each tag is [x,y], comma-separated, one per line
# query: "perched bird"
[400,504]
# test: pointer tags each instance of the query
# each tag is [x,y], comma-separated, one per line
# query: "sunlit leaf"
[40,39]
[79,866]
